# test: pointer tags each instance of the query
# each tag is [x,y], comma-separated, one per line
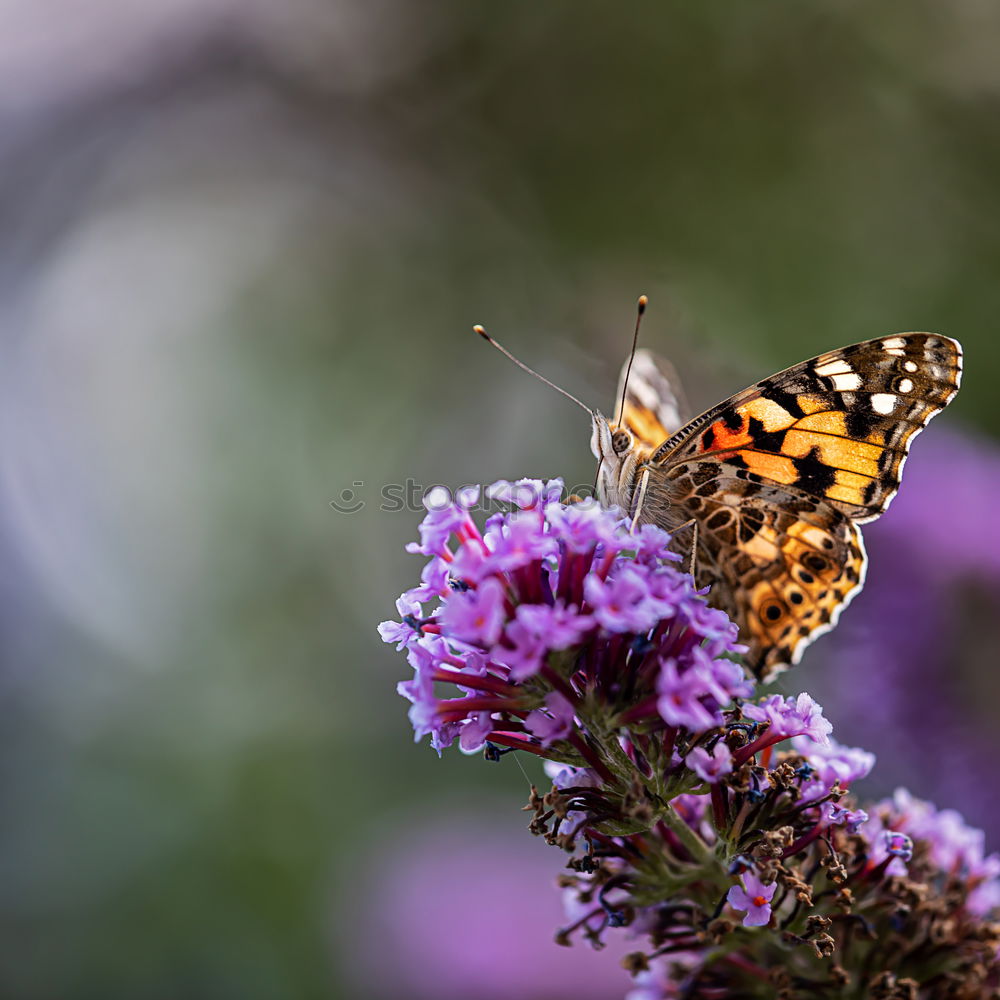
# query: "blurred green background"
[243,246]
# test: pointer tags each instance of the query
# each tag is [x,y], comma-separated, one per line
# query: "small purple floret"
[789,717]
[754,898]
[553,723]
[710,767]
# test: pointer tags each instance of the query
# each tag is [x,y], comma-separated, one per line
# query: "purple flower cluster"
[834,765]
[554,610]
[957,849]
[721,833]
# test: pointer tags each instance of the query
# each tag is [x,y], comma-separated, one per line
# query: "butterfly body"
[777,479]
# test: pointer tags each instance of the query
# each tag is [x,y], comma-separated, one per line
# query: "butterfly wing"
[654,407]
[781,563]
[779,477]
[838,426]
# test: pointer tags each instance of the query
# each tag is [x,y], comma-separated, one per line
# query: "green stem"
[616,757]
[697,847]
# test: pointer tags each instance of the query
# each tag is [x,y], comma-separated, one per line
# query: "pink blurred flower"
[465,910]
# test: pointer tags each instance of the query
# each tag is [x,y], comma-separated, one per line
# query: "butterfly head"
[614,448]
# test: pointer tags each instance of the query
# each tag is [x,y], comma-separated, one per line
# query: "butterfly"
[774,483]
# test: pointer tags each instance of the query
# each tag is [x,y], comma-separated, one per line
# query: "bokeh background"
[243,244]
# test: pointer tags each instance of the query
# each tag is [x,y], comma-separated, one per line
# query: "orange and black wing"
[838,426]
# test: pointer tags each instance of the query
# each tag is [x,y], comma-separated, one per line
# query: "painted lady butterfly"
[775,481]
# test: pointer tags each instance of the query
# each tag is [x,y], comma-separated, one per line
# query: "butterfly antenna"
[640,309]
[520,364]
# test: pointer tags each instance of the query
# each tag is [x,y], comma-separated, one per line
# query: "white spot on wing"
[910,366]
[893,342]
[836,367]
[846,382]
[905,385]
[883,402]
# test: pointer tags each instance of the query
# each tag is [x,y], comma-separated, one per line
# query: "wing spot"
[860,423]
[733,420]
[836,367]
[910,366]
[813,473]
[772,610]
[719,519]
[815,562]
[771,414]
[751,524]
[883,402]
[764,439]
[788,401]
[795,597]
[903,385]
[893,343]
[847,382]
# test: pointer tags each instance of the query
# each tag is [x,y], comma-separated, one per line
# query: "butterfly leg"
[693,525]
[643,483]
